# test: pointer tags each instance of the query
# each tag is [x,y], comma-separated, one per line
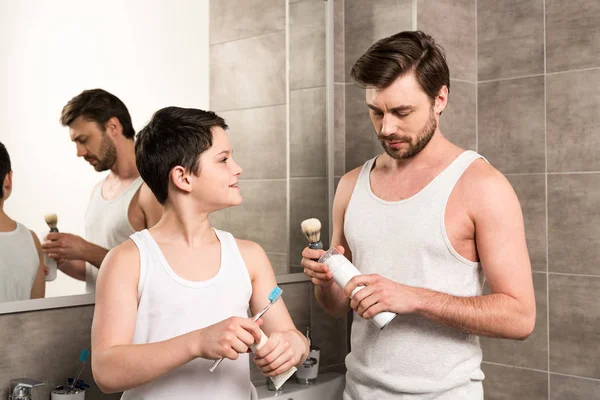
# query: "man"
[121,204]
[424,222]
[22,274]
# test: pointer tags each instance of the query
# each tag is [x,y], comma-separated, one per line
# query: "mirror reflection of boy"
[22,274]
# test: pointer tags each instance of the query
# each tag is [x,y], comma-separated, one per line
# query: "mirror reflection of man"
[21,265]
[121,203]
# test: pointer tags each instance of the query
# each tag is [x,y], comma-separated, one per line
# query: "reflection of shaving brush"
[312,230]
[51,220]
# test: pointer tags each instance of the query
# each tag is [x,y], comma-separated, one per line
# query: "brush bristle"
[275,294]
[51,220]
[312,229]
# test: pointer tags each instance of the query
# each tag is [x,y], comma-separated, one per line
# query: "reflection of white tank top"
[107,224]
[19,262]
[170,306]
[406,241]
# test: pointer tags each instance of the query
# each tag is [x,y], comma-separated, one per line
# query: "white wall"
[150,54]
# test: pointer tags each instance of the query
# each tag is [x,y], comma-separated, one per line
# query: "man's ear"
[441,100]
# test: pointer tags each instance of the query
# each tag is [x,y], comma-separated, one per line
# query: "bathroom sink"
[329,386]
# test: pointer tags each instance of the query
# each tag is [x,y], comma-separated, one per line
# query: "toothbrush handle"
[215,365]
[255,318]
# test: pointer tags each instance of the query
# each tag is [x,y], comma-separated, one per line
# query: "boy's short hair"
[174,136]
[5,167]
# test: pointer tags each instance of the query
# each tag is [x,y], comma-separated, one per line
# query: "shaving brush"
[51,220]
[312,230]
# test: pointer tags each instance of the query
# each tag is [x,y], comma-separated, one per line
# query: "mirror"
[265,65]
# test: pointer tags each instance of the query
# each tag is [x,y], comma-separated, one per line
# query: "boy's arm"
[118,364]
[286,347]
[38,289]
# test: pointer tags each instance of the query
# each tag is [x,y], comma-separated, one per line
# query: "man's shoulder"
[483,188]
[348,182]
[482,175]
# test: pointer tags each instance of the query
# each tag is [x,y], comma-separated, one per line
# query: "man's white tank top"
[406,242]
[169,306]
[19,263]
[107,224]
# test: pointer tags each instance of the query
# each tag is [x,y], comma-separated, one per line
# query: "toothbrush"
[83,357]
[273,297]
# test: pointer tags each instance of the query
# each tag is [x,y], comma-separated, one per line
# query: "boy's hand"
[282,351]
[228,338]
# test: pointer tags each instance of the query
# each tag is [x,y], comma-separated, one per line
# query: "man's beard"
[422,140]
[109,154]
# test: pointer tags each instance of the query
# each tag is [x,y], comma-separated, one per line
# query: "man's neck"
[125,168]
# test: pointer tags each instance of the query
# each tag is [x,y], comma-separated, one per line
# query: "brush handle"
[316,245]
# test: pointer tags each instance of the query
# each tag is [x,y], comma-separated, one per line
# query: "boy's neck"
[6,223]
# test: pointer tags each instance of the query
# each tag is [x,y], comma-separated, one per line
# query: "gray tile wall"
[45,345]
[538,74]
[248,60]
[248,89]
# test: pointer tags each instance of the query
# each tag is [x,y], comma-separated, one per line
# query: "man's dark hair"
[5,167]
[174,136]
[397,55]
[99,106]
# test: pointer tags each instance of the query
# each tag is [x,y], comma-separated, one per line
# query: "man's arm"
[73,268]
[329,295]
[151,208]
[38,290]
[509,311]
[286,347]
[66,246]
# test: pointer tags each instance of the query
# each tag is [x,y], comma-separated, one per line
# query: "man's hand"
[65,246]
[319,274]
[380,294]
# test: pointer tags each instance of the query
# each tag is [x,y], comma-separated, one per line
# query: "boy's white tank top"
[19,263]
[406,242]
[169,306]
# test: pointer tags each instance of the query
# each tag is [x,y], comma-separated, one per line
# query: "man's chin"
[100,168]
[396,154]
